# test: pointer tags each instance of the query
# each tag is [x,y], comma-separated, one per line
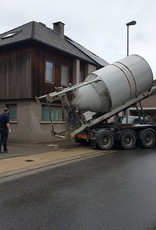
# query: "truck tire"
[147,139]
[105,140]
[128,139]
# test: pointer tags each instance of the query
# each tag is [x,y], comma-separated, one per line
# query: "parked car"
[135,120]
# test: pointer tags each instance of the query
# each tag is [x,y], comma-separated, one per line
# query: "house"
[34,59]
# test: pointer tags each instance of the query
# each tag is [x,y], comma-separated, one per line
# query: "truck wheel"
[147,139]
[105,140]
[128,140]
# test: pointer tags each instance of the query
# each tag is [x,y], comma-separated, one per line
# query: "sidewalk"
[27,156]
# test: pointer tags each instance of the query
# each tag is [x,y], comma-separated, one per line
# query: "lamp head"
[132,23]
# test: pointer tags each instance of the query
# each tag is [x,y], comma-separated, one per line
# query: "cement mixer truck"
[88,106]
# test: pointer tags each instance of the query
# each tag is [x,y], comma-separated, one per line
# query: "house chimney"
[59,28]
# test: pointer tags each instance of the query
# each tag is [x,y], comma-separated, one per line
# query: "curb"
[15,174]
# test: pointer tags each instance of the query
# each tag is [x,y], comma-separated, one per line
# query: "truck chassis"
[125,136]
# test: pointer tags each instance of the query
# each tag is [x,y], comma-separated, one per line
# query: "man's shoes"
[6,151]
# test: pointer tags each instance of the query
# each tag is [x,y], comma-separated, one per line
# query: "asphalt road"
[110,192]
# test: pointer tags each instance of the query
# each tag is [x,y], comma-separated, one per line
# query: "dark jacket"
[4,119]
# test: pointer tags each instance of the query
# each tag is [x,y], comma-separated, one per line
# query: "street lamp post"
[132,23]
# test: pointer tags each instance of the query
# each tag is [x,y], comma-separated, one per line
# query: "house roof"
[37,31]
[90,54]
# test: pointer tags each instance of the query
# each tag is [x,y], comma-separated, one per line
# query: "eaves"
[38,42]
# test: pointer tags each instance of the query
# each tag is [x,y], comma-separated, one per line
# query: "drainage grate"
[29,160]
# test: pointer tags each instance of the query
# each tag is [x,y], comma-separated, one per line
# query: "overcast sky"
[99,25]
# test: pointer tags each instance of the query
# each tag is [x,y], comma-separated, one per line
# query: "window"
[49,72]
[12,111]
[11,34]
[64,75]
[82,72]
[54,112]
[81,76]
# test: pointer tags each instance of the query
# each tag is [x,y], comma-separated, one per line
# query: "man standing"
[4,129]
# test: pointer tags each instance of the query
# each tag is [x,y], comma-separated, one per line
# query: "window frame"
[66,84]
[53,71]
[12,120]
[49,120]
